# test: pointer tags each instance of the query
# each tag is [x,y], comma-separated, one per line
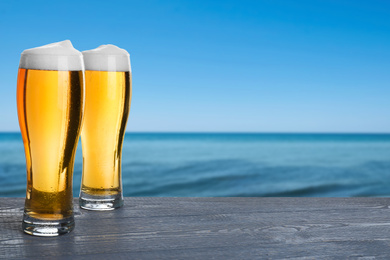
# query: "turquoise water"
[233,165]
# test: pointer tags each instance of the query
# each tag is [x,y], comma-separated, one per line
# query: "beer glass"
[50,100]
[107,105]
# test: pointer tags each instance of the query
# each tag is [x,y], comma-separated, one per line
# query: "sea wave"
[242,178]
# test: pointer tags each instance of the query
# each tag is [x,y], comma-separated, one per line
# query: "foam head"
[54,56]
[107,58]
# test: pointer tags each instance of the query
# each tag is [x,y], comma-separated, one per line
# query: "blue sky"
[224,66]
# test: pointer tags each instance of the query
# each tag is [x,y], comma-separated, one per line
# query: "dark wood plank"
[211,228]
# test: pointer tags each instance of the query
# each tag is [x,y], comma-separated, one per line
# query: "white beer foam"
[54,56]
[107,58]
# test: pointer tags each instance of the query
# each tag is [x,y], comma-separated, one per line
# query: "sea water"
[239,164]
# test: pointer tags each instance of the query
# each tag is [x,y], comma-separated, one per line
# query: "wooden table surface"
[211,228]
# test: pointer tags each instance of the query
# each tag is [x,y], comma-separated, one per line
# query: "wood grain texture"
[211,228]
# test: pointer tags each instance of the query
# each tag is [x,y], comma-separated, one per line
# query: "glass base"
[47,228]
[108,202]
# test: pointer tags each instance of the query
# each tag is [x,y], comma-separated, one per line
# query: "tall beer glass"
[107,105]
[50,100]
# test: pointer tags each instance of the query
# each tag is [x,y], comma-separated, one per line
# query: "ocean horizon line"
[240,132]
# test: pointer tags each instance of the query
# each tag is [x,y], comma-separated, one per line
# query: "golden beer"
[107,106]
[50,119]
[50,105]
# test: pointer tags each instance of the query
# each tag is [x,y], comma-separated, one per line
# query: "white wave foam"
[107,58]
[54,56]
